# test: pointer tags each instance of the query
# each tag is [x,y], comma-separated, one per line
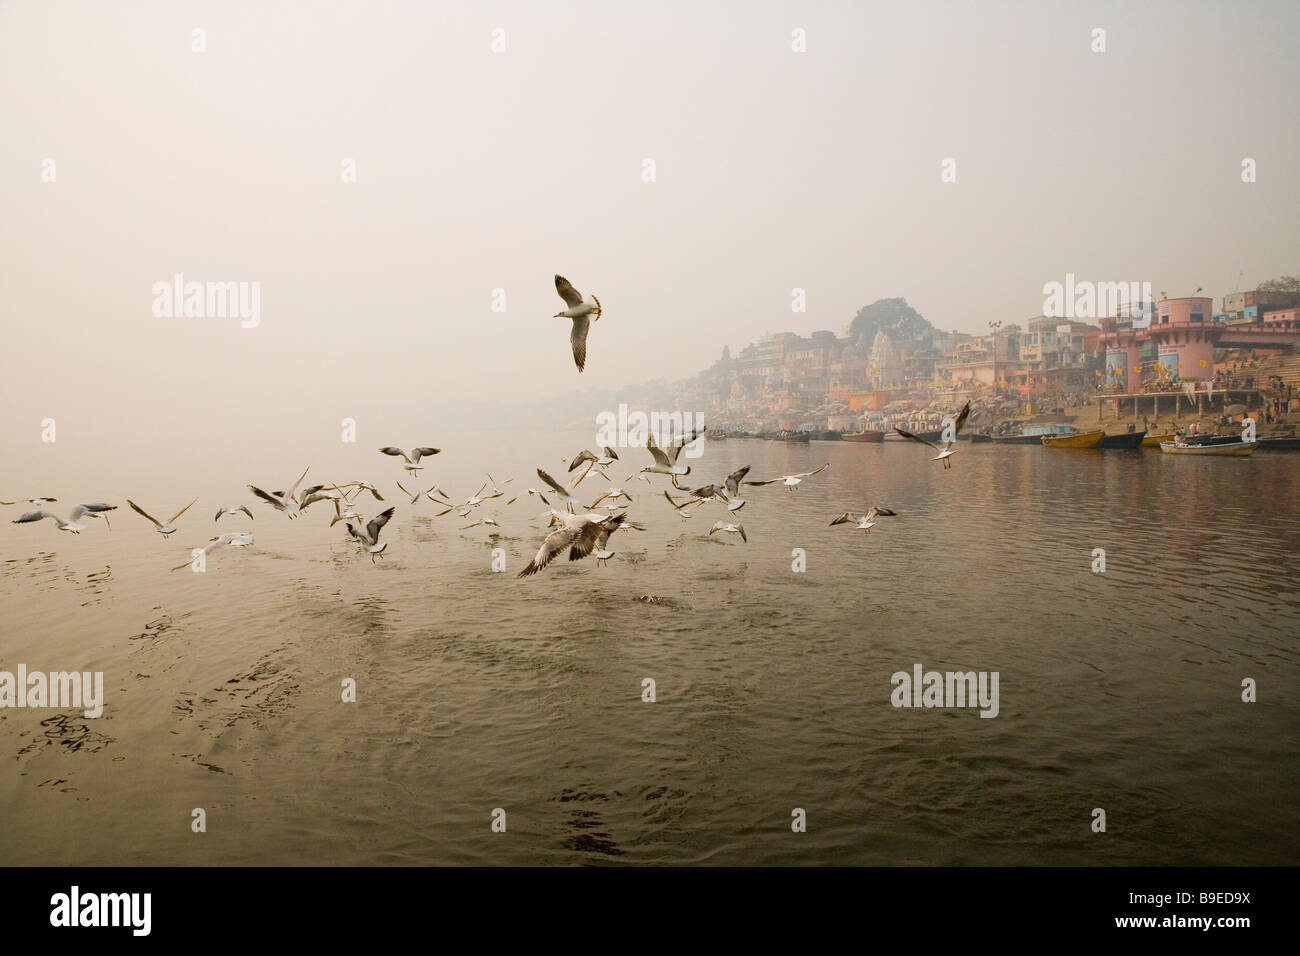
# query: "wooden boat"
[1153,441]
[789,436]
[1018,439]
[1237,449]
[1126,441]
[1286,443]
[1080,440]
[872,436]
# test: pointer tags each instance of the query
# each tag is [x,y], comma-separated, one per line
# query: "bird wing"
[559,488]
[584,542]
[766,481]
[377,524]
[660,457]
[961,418]
[422,451]
[298,482]
[675,447]
[140,511]
[217,516]
[571,296]
[924,441]
[181,512]
[34,516]
[244,509]
[610,453]
[579,458]
[879,511]
[269,499]
[403,488]
[395,452]
[552,544]
[578,341]
[809,474]
[844,518]
[743,537]
[734,479]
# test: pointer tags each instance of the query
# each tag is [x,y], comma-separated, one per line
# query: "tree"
[895,316]
[1281,284]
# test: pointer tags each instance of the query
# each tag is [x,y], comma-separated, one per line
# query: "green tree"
[1281,284]
[895,316]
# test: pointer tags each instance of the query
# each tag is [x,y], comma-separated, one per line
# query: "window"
[1198,316]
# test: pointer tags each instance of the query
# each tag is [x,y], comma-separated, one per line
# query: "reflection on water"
[478,690]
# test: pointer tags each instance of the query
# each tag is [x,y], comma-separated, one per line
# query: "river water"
[479,691]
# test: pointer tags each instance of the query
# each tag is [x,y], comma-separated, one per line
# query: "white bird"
[666,461]
[163,529]
[569,499]
[683,508]
[946,449]
[475,524]
[790,481]
[727,492]
[416,495]
[731,529]
[237,539]
[607,457]
[231,509]
[412,457]
[473,501]
[577,533]
[609,493]
[73,524]
[282,500]
[582,314]
[351,489]
[601,551]
[531,491]
[369,536]
[864,522]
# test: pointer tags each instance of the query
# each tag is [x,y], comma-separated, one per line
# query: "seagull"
[945,450]
[31,501]
[163,529]
[475,524]
[790,481]
[730,528]
[608,493]
[865,522]
[578,533]
[369,536]
[727,492]
[666,461]
[416,495]
[231,509]
[282,500]
[682,509]
[238,539]
[602,552]
[73,524]
[608,457]
[533,491]
[350,490]
[582,313]
[412,457]
[473,501]
[570,500]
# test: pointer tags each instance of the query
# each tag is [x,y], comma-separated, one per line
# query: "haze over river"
[478,690]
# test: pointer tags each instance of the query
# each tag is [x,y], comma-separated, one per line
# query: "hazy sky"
[479,170]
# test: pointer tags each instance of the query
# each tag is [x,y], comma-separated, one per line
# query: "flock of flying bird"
[579,529]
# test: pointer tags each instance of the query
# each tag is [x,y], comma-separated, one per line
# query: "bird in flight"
[31,501]
[369,535]
[411,457]
[666,461]
[608,456]
[864,522]
[238,539]
[230,510]
[582,313]
[163,529]
[73,524]
[730,529]
[790,481]
[577,533]
[946,449]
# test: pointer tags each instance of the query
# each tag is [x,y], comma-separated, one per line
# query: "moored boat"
[1237,449]
[872,436]
[1285,443]
[1153,441]
[1123,441]
[1079,440]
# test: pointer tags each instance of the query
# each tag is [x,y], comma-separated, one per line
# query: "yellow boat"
[1153,441]
[1079,440]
